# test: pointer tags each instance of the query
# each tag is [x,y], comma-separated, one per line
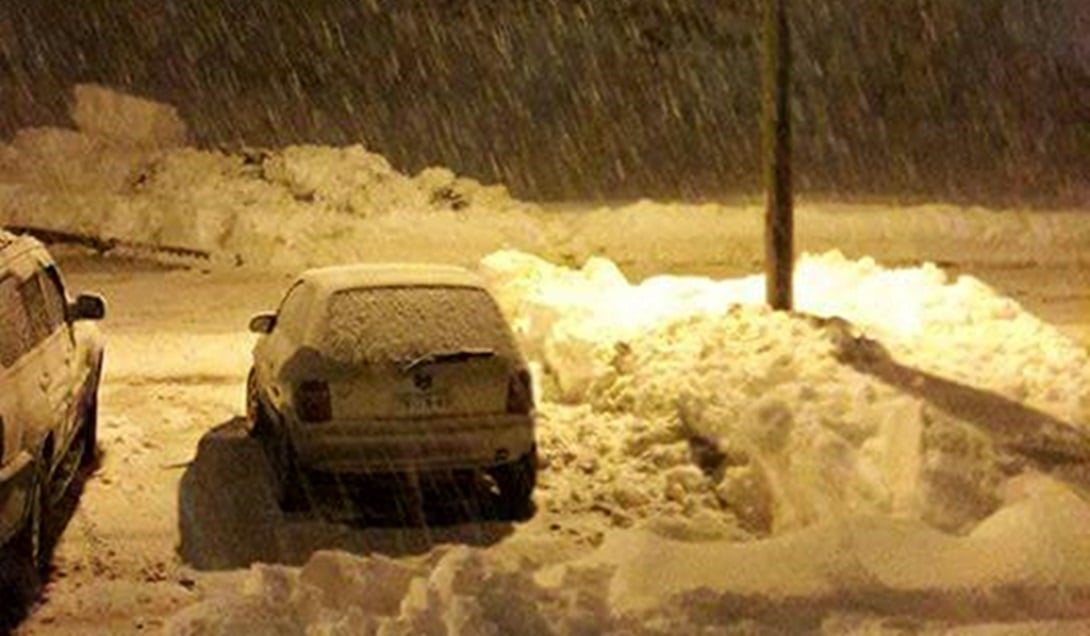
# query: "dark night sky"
[609,98]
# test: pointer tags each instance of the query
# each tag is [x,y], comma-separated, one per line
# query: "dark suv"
[50,365]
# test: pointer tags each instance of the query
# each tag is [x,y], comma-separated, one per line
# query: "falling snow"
[907,449]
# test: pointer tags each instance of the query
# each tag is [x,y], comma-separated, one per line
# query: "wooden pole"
[776,128]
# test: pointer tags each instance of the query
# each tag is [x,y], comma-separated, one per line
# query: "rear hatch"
[415,351]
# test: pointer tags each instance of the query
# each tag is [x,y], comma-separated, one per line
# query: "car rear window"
[379,324]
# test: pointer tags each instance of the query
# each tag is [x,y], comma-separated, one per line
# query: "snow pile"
[699,236]
[297,207]
[131,121]
[124,176]
[456,590]
[117,137]
[640,583]
[701,407]
[961,329]
[1030,559]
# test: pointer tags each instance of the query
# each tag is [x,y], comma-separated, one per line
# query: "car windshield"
[401,324]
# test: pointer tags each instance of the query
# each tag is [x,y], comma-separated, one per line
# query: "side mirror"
[87,307]
[263,323]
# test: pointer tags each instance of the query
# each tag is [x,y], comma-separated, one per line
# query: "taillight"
[520,393]
[312,403]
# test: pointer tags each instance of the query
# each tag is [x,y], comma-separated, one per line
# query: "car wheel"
[290,487]
[90,434]
[516,482]
[23,561]
[29,545]
[89,417]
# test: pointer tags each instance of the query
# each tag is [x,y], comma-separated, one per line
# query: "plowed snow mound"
[700,411]
[1028,562]
[124,175]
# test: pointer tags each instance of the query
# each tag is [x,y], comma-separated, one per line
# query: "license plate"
[424,402]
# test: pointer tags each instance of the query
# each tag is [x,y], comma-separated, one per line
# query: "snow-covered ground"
[908,450]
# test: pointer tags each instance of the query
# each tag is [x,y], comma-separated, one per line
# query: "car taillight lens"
[520,393]
[312,403]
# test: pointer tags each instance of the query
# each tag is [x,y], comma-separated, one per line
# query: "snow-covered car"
[392,369]
[50,366]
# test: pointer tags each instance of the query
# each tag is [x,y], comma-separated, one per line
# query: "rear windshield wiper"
[446,356]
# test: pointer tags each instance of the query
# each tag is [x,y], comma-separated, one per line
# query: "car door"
[28,413]
[53,351]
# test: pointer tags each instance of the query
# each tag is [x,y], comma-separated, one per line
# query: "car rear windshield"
[400,324]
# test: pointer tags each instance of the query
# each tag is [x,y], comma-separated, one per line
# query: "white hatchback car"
[392,369]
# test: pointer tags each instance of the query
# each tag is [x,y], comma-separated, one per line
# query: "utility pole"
[776,129]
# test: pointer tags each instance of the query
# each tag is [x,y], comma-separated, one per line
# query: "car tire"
[29,547]
[290,490]
[516,482]
[23,563]
[89,418]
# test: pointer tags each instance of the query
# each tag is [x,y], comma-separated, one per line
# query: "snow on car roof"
[340,277]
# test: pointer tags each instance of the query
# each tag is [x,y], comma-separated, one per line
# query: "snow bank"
[700,237]
[639,583]
[1031,558]
[287,209]
[117,137]
[456,590]
[101,112]
[124,176]
[696,408]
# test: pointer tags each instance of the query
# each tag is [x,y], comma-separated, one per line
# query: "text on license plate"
[423,402]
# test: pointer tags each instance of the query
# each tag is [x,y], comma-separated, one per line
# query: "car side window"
[55,301]
[292,312]
[41,325]
[16,334]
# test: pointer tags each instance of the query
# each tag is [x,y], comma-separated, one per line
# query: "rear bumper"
[391,446]
[16,481]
